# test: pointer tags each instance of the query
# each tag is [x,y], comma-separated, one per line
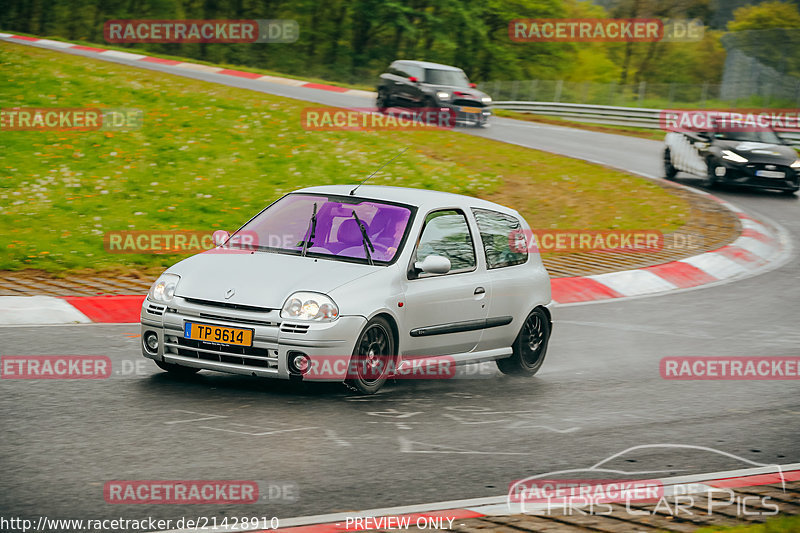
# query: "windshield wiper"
[311,232]
[364,239]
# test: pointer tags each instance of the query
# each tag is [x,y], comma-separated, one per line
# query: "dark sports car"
[419,84]
[753,159]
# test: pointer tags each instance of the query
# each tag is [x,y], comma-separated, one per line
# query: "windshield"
[285,226]
[453,78]
[766,136]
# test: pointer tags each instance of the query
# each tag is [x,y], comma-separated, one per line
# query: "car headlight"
[733,156]
[486,99]
[441,95]
[796,164]
[310,306]
[163,289]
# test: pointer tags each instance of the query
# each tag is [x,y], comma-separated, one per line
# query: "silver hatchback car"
[358,285]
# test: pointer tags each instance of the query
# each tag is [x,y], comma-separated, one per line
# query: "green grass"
[210,156]
[778,524]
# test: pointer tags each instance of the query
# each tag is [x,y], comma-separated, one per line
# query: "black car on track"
[420,84]
[759,159]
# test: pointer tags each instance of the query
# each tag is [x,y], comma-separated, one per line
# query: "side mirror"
[473,85]
[413,79]
[433,264]
[220,237]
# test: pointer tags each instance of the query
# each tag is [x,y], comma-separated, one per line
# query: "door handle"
[480,290]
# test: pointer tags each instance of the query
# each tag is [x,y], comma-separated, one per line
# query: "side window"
[497,230]
[447,233]
[414,70]
[398,69]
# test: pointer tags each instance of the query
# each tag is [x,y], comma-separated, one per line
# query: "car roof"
[427,64]
[424,199]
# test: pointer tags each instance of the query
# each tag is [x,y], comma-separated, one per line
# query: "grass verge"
[210,156]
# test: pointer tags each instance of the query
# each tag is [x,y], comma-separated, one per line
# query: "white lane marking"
[748,223]
[205,416]
[754,246]
[637,327]
[198,67]
[715,265]
[39,310]
[407,446]
[282,81]
[54,44]
[633,282]
[123,55]
[256,434]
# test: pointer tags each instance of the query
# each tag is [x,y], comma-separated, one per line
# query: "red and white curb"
[450,512]
[60,45]
[759,247]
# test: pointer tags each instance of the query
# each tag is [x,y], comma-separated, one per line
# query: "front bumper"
[747,175]
[273,338]
[469,113]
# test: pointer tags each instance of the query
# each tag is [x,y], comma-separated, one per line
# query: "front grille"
[236,355]
[227,305]
[468,103]
[238,319]
[288,327]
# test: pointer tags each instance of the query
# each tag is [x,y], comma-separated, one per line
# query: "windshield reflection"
[290,226]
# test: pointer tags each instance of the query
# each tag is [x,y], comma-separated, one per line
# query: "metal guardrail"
[601,114]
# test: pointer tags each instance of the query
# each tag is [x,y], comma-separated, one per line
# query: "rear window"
[497,231]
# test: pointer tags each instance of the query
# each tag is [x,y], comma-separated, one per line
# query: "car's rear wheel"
[529,347]
[382,102]
[669,169]
[373,357]
[178,370]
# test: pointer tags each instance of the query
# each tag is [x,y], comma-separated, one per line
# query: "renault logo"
[229,293]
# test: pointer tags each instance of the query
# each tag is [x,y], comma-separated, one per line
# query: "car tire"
[178,370]
[382,102]
[710,181]
[373,356]
[530,346]
[669,169]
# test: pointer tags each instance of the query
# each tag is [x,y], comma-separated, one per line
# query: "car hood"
[760,152]
[260,279]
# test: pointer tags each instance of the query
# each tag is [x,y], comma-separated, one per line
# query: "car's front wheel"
[529,347]
[178,370]
[710,180]
[372,358]
[669,169]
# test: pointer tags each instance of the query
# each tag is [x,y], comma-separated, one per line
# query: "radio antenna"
[379,169]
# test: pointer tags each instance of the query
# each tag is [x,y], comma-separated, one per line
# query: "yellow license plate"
[470,109]
[218,334]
